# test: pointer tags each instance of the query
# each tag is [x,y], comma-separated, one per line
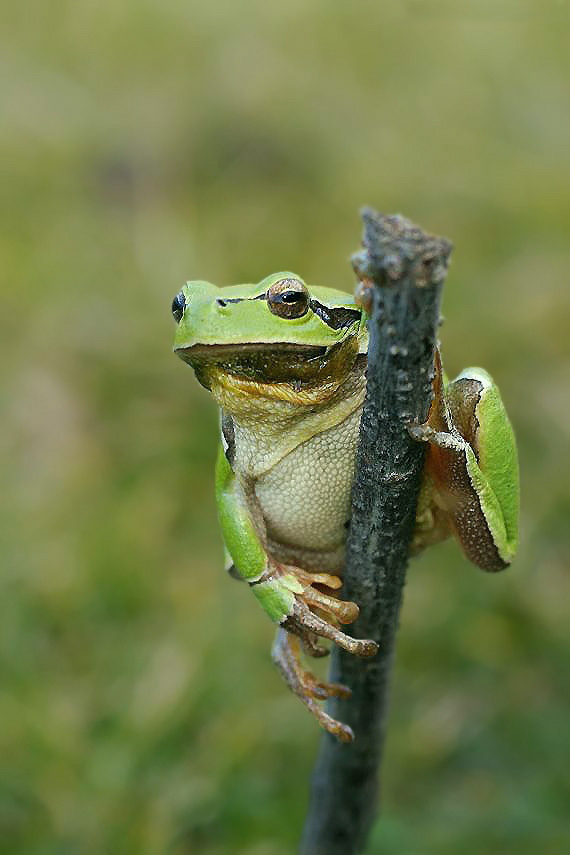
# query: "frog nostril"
[221,303]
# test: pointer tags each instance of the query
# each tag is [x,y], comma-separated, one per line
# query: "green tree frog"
[287,366]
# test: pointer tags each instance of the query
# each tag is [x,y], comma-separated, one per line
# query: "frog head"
[276,331]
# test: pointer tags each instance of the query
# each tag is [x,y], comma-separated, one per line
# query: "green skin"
[287,364]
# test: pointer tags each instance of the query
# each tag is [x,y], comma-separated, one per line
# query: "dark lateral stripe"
[223,301]
[337,317]
[228,433]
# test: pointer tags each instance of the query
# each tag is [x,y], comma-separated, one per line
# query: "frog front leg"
[471,481]
[291,596]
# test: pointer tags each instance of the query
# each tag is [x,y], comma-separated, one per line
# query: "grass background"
[145,143]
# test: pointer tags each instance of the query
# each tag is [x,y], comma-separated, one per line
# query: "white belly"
[305,498]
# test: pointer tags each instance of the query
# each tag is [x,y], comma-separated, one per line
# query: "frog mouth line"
[225,352]
[281,362]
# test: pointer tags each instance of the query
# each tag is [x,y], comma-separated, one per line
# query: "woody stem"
[407,268]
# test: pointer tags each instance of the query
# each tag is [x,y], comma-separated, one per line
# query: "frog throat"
[229,390]
[282,370]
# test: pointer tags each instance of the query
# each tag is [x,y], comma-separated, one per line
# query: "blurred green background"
[145,143]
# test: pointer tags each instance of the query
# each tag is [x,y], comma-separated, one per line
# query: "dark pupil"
[292,296]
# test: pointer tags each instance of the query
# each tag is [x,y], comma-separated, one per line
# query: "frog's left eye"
[178,306]
[288,298]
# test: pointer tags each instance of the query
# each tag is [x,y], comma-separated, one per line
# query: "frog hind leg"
[454,474]
[433,523]
[286,655]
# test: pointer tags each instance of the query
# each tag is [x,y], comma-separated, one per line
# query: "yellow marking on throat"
[241,388]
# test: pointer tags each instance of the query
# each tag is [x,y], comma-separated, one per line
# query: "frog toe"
[303,620]
[309,689]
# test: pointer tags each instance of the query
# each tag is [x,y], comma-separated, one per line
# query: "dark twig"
[407,268]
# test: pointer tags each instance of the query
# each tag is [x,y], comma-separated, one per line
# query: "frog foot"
[286,655]
[307,623]
[340,610]
[304,623]
[315,615]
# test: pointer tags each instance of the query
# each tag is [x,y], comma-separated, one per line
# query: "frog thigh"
[491,456]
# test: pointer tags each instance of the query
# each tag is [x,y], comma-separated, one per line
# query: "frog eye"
[288,298]
[178,306]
